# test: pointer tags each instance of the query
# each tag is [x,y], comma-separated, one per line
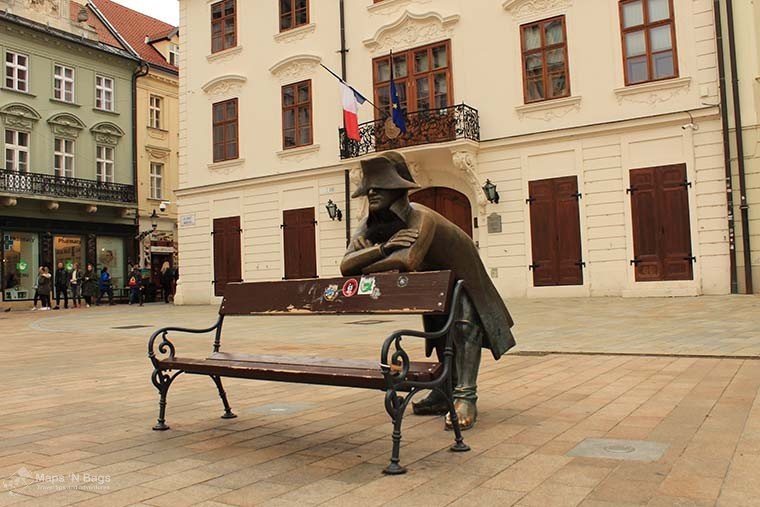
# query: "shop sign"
[162,249]
[22,266]
[187,220]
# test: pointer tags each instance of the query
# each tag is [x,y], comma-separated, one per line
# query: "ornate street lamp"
[154,220]
[333,211]
[491,194]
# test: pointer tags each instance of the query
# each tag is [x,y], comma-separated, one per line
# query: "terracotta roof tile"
[104,35]
[136,28]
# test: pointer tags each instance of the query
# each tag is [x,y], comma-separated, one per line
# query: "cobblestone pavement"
[77,407]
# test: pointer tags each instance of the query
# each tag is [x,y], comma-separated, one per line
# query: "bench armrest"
[166,347]
[395,366]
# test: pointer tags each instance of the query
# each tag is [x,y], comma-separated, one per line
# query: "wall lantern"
[154,220]
[491,194]
[333,211]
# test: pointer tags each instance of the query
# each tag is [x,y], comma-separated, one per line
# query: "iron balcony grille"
[57,186]
[422,127]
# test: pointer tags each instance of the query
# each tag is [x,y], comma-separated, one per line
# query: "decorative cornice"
[221,56]
[524,9]
[295,67]
[18,115]
[295,34]
[65,124]
[654,92]
[224,85]
[392,6]
[107,133]
[411,30]
[157,151]
[548,110]
[467,162]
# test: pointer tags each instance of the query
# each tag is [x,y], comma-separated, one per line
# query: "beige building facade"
[597,121]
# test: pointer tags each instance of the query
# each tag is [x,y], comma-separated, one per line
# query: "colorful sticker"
[375,293]
[331,292]
[350,287]
[366,285]
[402,281]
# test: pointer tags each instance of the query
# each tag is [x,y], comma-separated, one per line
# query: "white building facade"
[596,120]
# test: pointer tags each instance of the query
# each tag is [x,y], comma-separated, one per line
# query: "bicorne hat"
[387,171]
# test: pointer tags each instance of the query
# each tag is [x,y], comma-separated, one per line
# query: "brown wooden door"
[448,202]
[555,232]
[661,227]
[299,243]
[227,266]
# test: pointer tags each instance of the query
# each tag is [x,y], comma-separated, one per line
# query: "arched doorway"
[448,202]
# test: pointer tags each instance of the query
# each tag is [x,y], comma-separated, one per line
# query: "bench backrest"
[404,293]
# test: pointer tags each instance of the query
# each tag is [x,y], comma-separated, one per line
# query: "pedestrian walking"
[89,285]
[61,286]
[105,286]
[167,281]
[44,287]
[135,286]
[36,287]
[74,283]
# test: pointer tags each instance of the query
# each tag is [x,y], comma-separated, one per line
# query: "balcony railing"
[73,188]
[422,127]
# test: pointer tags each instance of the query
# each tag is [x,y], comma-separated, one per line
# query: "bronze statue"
[404,236]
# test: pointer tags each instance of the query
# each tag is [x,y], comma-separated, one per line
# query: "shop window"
[20,265]
[68,250]
[111,254]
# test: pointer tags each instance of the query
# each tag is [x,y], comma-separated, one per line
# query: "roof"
[104,35]
[138,30]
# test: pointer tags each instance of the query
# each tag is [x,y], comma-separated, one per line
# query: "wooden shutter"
[661,230]
[227,265]
[299,243]
[555,232]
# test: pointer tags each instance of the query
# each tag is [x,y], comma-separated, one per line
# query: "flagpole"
[385,115]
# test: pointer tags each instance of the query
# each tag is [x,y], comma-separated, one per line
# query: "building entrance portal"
[448,202]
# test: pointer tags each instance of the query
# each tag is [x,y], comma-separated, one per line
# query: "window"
[422,77]
[293,13]
[225,125]
[16,151]
[649,40]
[155,111]
[20,263]
[544,55]
[156,180]
[63,157]
[104,164]
[223,26]
[104,93]
[296,114]
[16,71]
[63,83]
[174,54]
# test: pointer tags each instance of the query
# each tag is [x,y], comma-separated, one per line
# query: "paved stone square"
[78,406]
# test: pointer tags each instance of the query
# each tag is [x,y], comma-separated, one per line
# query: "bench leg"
[227,410]
[162,381]
[459,445]
[395,405]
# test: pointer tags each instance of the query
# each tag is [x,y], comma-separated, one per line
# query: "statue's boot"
[467,413]
[433,404]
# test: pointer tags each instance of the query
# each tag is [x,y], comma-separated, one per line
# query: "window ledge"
[653,87]
[301,150]
[13,90]
[66,102]
[388,5]
[295,34]
[549,109]
[226,164]
[156,129]
[220,55]
[106,111]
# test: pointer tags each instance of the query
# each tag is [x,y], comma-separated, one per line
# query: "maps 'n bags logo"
[22,478]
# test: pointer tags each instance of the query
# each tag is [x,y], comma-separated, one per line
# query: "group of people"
[91,286]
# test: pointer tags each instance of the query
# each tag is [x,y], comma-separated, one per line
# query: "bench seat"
[300,369]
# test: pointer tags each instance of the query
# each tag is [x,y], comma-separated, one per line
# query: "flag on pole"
[351,101]
[396,112]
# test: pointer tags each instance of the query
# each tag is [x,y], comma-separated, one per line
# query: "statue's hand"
[361,243]
[402,239]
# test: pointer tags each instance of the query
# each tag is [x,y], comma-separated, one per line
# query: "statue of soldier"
[404,236]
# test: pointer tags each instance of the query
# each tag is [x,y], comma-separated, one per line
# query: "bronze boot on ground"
[467,413]
[433,404]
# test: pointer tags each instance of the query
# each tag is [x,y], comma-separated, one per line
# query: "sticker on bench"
[402,281]
[350,287]
[366,285]
[331,293]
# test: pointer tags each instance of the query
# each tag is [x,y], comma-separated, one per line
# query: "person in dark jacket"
[75,282]
[44,287]
[167,281]
[62,278]
[89,285]
[105,286]
[135,284]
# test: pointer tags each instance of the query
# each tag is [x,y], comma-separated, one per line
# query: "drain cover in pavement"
[637,450]
[282,408]
[133,326]
[369,322]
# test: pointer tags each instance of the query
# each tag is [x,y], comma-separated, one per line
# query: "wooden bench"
[431,293]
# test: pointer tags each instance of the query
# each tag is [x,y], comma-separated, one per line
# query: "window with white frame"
[104,93]
[16,151]
[63,83]
[63,157]
[156,180]
[16,71]
[104,163]
[155,111]
[174,54]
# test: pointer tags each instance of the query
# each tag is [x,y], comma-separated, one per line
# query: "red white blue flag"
[351,101]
